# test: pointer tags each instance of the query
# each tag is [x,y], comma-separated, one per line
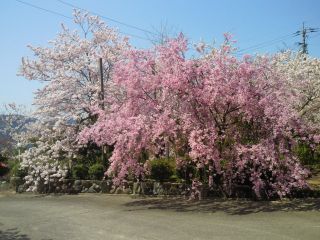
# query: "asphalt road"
[95,217]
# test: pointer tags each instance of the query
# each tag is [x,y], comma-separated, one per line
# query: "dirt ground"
[102,216]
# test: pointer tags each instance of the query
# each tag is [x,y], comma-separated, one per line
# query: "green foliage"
[144,156]
[175,178]
[96,171]
[80,171]
[91,154]
[187,173]
[89,164]
[308,155]
[3,158]
[16,170]
[162,169]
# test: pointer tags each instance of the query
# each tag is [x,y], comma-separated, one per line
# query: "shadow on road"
[232,207]
[13,234]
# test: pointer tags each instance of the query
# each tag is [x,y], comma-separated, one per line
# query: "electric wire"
[238,52]
[70,18]
[108,18]
[264,44]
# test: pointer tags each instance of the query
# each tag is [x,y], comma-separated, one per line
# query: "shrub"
[17,171]
[307,155]
[187,173]
[3,158]
[162,169]
[175,178]
[96,171]
[80,171]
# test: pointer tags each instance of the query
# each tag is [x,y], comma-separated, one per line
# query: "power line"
[70,18]
[264,44]
[44,9]
[304,31]
[108,18]
[279,39]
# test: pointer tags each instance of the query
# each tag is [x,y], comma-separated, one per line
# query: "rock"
[21,188]
[64,188]
[127,190]
[87,183]
[105,186]
[119,190]
[77,182]
[135,188]
[146,187]
[139,188]
[78,188]
[4,186]
[125,184]
[96,187]
[15,182]
[84,190]
[174,189]
[91,190]
[157,188]
[113,190]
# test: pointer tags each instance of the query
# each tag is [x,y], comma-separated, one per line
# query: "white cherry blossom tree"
[69,68]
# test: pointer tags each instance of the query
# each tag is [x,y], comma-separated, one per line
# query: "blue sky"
[252,22]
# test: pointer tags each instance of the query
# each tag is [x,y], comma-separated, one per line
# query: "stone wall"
[4,186]
[71,186]
[150,187]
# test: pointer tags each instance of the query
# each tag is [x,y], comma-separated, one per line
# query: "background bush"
[307,155]
[162,169]
[79,171]
[15,171]
[96,171]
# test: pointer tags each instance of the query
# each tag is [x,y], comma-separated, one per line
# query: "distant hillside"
[12,123]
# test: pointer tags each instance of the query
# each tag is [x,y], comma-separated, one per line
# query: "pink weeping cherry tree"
[230,118]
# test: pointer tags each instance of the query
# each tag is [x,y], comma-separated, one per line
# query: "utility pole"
[102,84]
[304,34]
[304,44]
[102,106]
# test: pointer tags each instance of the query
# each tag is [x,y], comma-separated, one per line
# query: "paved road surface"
[109,217]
